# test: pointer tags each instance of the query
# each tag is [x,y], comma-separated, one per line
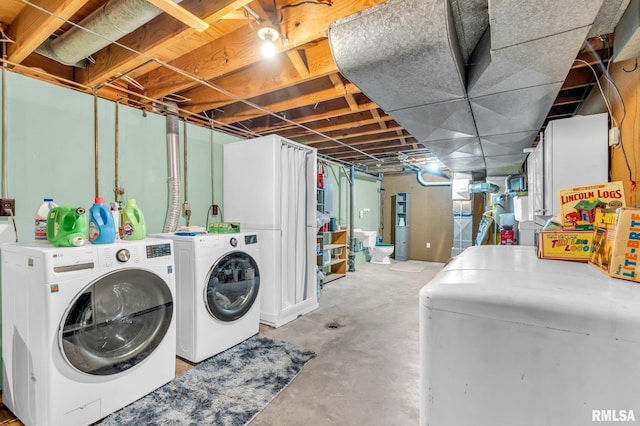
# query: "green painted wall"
[366,197]
[50,151]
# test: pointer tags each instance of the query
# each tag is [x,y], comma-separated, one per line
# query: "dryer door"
[233,284]
[116,322]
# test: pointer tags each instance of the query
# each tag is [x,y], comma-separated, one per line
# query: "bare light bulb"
[268,35]
[268,49]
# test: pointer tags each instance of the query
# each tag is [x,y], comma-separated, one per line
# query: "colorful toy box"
[565,245]
[616,242]
[578,205]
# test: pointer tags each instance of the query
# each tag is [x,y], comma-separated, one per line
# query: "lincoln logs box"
[565,245]
[578,205]
[616,242]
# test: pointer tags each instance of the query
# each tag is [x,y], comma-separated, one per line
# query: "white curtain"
[293,204]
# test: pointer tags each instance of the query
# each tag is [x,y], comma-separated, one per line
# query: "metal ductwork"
[472,80]
[111,22]
[173,154]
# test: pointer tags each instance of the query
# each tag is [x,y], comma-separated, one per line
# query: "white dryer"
[217,292]
[86,330]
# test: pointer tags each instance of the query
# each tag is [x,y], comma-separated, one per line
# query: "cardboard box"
[578,205]
[565,245]
[616,243]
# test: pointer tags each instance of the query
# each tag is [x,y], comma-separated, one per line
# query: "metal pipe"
[95,142]
[351,257]
[213,198]
[5,184]
[116,190]
[173,149]
[187,208]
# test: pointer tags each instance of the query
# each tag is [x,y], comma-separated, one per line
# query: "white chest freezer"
[508,339]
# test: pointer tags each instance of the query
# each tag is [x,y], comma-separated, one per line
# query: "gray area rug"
[228,389]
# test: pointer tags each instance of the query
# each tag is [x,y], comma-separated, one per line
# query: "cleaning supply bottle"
[41,219]
[116,211]
[102,228]
[133,226]
[67,226]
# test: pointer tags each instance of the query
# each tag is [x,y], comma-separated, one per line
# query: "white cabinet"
[573,152]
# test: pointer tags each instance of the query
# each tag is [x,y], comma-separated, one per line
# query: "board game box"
[616,242]
[565,245]
[578,205]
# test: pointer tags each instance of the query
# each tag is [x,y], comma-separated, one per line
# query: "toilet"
[380,253]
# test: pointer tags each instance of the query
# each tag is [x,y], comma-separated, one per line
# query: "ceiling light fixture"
[268,35]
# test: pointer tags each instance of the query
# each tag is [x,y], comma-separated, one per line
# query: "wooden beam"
[304,118]
[340,87]
[257,81]
[299,25]
[241,112]
[380,136]
[580,77]
[32,26]
[336,125]
[376,114]
[181,14]
[153,39]
[298,62]
[346,135]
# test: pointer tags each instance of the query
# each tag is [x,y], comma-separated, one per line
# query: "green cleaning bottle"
[67,226]
[133,226]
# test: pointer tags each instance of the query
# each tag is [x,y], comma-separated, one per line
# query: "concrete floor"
[365,335]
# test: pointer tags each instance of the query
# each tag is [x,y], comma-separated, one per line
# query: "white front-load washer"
[86,330]
[217,292]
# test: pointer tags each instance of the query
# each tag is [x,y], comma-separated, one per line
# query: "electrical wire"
[613,119]
[604,97]
[316,3]
[205,82]
[13,219]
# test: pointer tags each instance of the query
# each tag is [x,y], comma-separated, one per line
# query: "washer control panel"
[158,250]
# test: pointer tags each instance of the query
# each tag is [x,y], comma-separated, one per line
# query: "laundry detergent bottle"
[133,226]
[67,226]
[102,228]
[41,219]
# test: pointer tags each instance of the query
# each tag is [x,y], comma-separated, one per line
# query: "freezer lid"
[561,295]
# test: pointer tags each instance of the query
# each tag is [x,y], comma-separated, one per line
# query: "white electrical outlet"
[614,136]
[428,245]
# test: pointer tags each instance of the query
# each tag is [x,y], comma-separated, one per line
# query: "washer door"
[116,322]
[234,281]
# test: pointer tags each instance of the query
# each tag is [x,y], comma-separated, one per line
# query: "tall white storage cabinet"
[573,152]
[270,188]
[510,339]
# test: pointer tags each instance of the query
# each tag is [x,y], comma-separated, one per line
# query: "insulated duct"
[475,110]
[420,176]
[173,154]
[109,23]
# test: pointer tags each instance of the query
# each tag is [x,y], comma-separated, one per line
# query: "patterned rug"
[229,389]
